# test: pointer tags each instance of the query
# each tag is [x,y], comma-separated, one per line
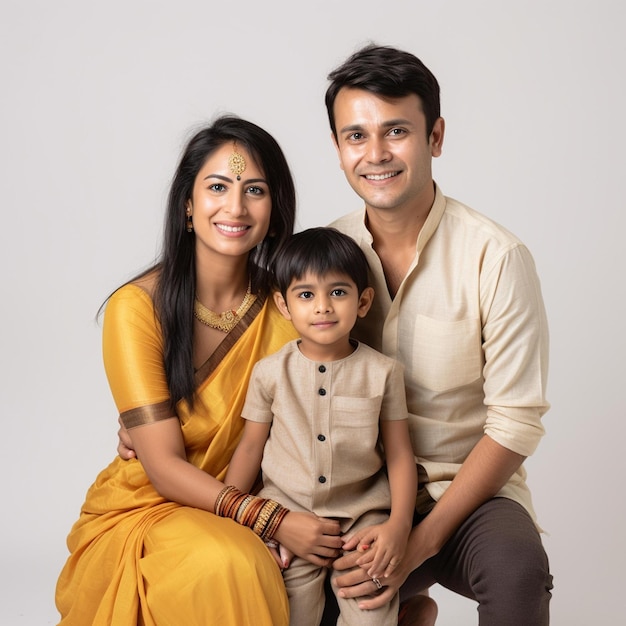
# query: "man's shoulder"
[456,211]
[349,223]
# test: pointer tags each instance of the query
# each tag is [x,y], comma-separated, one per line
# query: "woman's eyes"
[253,190]
[257,191]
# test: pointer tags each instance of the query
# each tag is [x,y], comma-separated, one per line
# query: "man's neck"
[394,233]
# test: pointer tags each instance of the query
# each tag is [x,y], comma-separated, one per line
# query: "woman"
[148,548]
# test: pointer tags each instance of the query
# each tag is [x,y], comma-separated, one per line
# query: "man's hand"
[355,583]
[124,444]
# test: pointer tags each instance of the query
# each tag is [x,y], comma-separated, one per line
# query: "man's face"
[384,150]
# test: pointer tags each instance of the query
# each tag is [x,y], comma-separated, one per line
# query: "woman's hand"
[124,445]
[281,554]
[313,538]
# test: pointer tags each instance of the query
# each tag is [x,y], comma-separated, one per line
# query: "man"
[457,301]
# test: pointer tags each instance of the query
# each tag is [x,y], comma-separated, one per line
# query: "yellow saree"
[136,558]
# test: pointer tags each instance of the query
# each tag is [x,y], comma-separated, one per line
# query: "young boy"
[319,414]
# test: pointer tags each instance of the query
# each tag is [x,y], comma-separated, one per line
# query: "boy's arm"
[246,462]
[388,541]
[401,470]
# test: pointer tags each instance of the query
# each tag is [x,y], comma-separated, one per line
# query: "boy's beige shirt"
[324,452]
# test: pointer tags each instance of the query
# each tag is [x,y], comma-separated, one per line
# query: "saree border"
[148,414]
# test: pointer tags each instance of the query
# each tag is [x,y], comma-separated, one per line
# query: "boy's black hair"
[320,251]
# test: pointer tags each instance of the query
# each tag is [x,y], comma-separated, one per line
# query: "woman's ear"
[282,305]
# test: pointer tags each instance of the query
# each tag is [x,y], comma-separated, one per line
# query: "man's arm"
[485,471]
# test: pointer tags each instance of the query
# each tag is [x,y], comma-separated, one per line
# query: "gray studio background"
[97,100]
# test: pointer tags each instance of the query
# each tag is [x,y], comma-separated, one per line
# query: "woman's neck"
[222,283]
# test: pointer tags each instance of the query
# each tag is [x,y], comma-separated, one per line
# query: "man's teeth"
[231,229]
[381,176]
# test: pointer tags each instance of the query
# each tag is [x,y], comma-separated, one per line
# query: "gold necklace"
[227,320]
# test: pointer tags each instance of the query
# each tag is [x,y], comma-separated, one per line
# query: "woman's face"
[230,204]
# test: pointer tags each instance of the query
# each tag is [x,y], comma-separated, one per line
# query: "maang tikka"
[236,162]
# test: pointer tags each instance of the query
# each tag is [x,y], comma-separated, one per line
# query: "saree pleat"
[136,558]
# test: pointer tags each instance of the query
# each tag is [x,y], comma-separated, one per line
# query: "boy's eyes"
[305,295]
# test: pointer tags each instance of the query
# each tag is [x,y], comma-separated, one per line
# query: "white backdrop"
[97,101]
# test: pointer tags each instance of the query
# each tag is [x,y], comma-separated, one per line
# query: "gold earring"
[189,222]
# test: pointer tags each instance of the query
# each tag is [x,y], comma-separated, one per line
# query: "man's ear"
[436,137]
[282,305]
[365,301]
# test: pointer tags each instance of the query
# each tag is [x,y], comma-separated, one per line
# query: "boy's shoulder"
[272,360]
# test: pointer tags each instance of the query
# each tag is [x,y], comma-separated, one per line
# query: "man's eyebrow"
[401,121]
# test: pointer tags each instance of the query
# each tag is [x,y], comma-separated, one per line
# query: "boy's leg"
[305,588]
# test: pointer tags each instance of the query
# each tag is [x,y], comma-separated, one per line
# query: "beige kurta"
[469,325]
[324,455]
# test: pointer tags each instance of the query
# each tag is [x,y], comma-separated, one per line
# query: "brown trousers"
[497,559]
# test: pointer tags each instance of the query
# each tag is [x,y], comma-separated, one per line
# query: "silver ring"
[377,583]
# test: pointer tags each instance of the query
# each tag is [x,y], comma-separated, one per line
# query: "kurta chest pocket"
[446,354]
[355,412]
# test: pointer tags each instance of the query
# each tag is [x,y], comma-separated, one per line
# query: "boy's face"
[324,309]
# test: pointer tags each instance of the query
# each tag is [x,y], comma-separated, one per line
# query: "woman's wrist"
[261,515]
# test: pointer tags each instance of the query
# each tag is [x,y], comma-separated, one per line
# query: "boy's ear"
[282,305]
[365,301]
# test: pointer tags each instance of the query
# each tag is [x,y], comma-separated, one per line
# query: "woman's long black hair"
[176,280]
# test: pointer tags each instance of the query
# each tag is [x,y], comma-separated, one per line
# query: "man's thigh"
[496,557]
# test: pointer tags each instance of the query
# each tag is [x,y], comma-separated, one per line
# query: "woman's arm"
[161,450]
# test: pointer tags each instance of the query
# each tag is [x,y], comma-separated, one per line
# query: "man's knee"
[510,573]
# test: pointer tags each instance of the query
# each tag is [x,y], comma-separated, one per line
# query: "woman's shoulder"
[139,291]
[133,301]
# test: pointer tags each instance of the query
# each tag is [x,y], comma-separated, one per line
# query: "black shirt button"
[322,368]
[321,438]
[322,391]
[322,479]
